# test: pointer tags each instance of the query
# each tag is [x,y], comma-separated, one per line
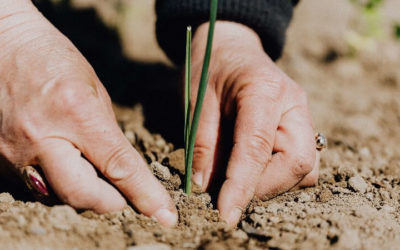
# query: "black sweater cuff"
[268,18]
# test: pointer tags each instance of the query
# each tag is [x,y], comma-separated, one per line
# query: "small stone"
[160,142]
[4,233]
[216,246]
[128,212]
[388,209]
[137,236]
[157,246]
[272,208]
[302,214]
[288,238]
[304,197]
[366,171]
[385,195]
[345,172]
[288,227]
[259,210]
[176,159]
[160,171]
[165,149]
[63,217]
[291,203]
[349,239]
[258,219]
[339,190]
[325,195]
[370,196]
[37,229]
[365,153]
[332,232]
[130,135]
[21,220]
[358,184]
[240,235]
[274,219]
[6,198]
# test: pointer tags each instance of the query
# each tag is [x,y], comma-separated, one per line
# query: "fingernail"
[166,217]
[198,179]
[38,185]
[234,216]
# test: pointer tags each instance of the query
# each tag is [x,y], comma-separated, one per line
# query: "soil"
[356,204]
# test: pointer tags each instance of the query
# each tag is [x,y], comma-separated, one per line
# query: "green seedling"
[187,94]
[397,31]
[191,127]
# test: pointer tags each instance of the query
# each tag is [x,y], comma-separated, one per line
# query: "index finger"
[257,121]
[108,149]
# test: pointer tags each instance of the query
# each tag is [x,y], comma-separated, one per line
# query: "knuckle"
[120,166]
[256,148]
[270,90]
[26,128]
[302,166]
[71,97]
[202,150]
[274,89]
[259,143]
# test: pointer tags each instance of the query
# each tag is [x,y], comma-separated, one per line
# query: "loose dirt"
[354,102]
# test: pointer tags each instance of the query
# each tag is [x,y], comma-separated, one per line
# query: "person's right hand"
[55,113]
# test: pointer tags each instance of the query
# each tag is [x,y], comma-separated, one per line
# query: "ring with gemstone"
[321,142]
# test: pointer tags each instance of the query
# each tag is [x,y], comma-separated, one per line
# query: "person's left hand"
[274,149]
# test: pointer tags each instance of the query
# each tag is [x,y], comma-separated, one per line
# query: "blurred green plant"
[371,14]
[191,127]
[397,31]
[371,25]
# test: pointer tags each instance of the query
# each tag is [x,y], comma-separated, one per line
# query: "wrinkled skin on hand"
[274,148]
[54,110]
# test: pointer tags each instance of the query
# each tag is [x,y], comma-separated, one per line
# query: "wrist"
[18,19]
[11,7]
[13,13]
[228,35]
[236,48]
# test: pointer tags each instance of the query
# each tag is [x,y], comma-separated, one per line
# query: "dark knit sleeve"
[268,18]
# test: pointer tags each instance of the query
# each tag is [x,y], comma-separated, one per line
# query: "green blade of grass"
[200,95]
[187,89]
[397,31]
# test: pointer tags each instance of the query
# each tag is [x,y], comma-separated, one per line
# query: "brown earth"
[354,101]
